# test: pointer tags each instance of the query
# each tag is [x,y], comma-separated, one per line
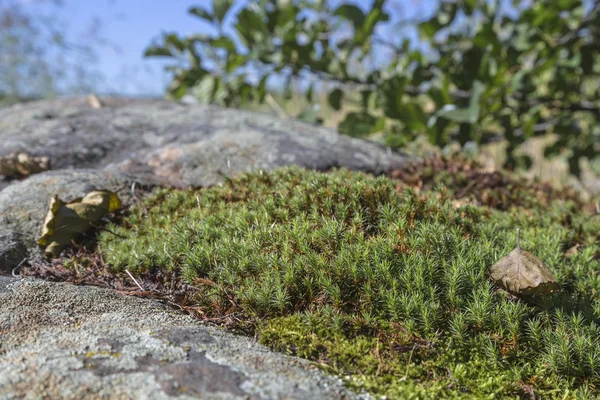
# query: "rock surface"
[65,341]
[182,145]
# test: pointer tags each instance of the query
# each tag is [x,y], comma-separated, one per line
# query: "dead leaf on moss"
[522,273]
[65,222]
[572,251]
[21,165]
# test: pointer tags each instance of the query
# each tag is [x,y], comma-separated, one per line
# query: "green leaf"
[309,94]
[470,6]
[462,115]
[173,39]
[251,28]
[389,96]
[351,13]
[413,117]
[422,74]
[157,51]
[177,91]
[335,99]
[376,15]
[262,88]
[205,90]
[364,31]
[359,124]
[439,95]
[221,7]
[234,61]
[430,28]
[442,19]
[195,58]
[224,42]
[202,13]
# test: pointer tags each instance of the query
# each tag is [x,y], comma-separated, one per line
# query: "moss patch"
[388,290]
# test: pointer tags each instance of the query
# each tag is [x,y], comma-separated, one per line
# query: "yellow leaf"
[65,222]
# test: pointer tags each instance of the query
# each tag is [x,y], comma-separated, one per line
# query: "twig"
[451,375]
[408,364]
[102,228]
[467,188]
[278,110]
[14,270]
[136,282]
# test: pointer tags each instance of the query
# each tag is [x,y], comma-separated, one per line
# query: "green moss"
[388,289]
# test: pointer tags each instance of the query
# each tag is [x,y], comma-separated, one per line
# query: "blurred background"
[513,84]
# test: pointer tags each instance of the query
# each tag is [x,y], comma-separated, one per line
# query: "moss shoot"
[388,290]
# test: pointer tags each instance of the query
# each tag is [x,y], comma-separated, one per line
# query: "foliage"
[389,289]
[482,70]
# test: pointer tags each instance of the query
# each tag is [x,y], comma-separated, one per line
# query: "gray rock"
[62,341]
[12,250]
[180,144]
[5,281]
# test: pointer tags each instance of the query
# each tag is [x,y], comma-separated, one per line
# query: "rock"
[62,341]
[12,250]
[24,205]
[5,281]
[73,134]
[180,144]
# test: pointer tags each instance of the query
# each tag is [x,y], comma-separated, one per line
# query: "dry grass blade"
[134,280]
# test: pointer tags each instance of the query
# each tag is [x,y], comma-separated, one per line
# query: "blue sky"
[128,26]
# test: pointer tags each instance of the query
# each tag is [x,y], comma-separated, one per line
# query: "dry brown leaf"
[65,222]
[522,273]
[20,165]
[572,251]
